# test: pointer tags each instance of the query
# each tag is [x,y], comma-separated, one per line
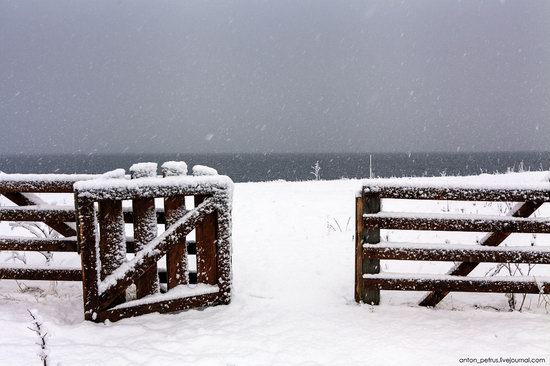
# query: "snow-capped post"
[112,239]
[145,228]
[371,235]
[174,209]
[206,235]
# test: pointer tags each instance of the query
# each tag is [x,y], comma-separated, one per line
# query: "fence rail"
[98,223]
[370,250]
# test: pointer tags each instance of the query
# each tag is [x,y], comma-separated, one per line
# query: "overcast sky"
[274,76]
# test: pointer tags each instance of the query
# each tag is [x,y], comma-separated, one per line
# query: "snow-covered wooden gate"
[370,250]
[108,275]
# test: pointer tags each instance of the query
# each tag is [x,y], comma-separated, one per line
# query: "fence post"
[206,234]
[371,235]
[359,226]
[174,208]
[87,231]
[145,229]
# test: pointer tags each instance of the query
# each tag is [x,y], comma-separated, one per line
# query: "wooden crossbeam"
[29,199]
[461,194]
[39,244]
[492,239]
[160,306]
[42,274]
[527,284]
[458,253]
[117,282]
[436,222]
[37,213]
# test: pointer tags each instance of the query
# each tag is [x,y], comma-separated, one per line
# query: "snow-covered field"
[293,264]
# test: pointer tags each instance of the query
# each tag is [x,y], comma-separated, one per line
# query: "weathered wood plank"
[43,183]
[112,240]
[492,239]
[37,213]
[145,230]
[461,194]
[456,253]
[39,244]
[87,232]
[459,284]
[41,274]
[176,257]
[119,189]
[359,226]
[205,236]
[436,222]
[64,244]
[161,307]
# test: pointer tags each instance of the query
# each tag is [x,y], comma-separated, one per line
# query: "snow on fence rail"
[370,250]
[103,243]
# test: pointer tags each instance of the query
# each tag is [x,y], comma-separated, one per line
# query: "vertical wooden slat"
[176,258]
[112,239]
[89,255]
[177,272]
[371,204]
[206,234]
[224,248]
[145,230]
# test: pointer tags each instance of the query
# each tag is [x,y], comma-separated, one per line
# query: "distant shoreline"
[258,167]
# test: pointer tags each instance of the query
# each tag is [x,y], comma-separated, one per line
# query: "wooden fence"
[370,250]
[198,272]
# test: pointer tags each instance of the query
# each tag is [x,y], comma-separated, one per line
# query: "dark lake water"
[293,167]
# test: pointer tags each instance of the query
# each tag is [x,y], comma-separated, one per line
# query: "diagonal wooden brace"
[492,239]
[29,199]
[117,282]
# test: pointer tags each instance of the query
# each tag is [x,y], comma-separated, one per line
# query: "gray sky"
[274,76]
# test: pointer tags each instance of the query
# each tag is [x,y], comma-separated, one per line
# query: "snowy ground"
[293,299]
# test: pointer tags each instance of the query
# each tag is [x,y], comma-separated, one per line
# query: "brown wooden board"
[87,232]
[205,236]
[40,186]
[37,213]
[112,240]
[460,194]
[359,288]
[472,253]
[176,257]
[460,284]
[145,230]
[161,307]
[41,274]
[39,244]
[452,223]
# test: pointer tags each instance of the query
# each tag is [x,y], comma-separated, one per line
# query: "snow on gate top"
[117,189]
[530,180]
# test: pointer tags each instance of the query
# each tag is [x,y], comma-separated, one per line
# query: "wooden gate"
[108,275]
[370,250]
